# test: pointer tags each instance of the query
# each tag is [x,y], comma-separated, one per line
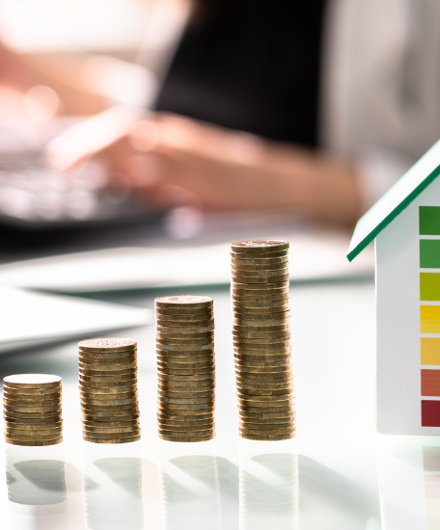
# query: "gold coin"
[186,301]
[108,402]
[31,430]
[271,311]
[260,300]
[107,354]
[259,392]
[263,354]
[185,395]
[110,410]
[112,437]
[269,416]
[237,266]
[32,381]
[184,358]
[196,318]
[185,325]
[109,391]
[242,365]
[186,438]
[185,331]
[103,345]
[32,392]
[49,434]
[192,429]
[239,260]
[288,419]
[187,416]
[107,367]
[209,342]
[185,314]
[106,381]
[44,436]
[182,421]
[132,429]
[208,363]
[268,330]
[189,436]
[29,408]
[257,246]
[202,385]
[263,369]
[186,401]
[272,400]
[262,410]
[253,424]
[259,281]
[245,386]
[265,382]
[259,343]
[256,289]
[107,419]
[112,440]
[107,398]
[182,378]
[38,399]
[25,425]
[104,362]
[33,443]
[263,314]
[277,428]
[186,406]
[185,347]
[267,438]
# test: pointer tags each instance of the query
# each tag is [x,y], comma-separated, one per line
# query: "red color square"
[430,413]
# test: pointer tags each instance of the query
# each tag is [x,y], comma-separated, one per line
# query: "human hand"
[172,160]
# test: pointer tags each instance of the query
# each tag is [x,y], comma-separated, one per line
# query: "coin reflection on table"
[268,486]
[112,487]
[35,475]
[190,488]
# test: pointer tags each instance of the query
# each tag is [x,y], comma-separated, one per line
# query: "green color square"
[430,286]
[429,220]
[429,254]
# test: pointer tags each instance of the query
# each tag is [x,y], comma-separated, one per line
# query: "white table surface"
[327,478]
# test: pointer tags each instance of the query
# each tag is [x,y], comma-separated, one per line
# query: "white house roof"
[395,200]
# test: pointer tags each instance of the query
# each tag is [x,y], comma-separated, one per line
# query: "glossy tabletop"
[327,478]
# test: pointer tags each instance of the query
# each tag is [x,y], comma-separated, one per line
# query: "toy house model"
[405,224]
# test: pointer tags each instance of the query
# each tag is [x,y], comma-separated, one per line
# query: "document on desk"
[311,258]
[30,319]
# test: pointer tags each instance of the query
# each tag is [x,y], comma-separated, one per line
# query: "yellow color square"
[430,319]
[429,351]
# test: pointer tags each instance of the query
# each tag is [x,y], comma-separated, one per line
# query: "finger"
[89,137]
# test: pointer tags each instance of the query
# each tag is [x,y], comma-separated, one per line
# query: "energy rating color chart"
[429,253]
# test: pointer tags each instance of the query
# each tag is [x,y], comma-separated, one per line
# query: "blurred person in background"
[313,108]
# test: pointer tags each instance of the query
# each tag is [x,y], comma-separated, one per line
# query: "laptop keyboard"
[33,194]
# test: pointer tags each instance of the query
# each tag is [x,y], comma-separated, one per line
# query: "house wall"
[400,329]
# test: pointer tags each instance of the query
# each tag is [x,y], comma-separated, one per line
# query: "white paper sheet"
[312,257]
[28,318]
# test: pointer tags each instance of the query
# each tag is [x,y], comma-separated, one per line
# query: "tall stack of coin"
[108,390]
[261,334]
[32,409]
[185,368]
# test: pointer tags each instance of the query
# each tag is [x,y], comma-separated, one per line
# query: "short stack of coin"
[108,390]
[185,368]
[32,409]
[261,334]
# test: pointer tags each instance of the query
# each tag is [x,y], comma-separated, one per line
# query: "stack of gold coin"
[108,390]
[185,368]
[32,409]
[261,334]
